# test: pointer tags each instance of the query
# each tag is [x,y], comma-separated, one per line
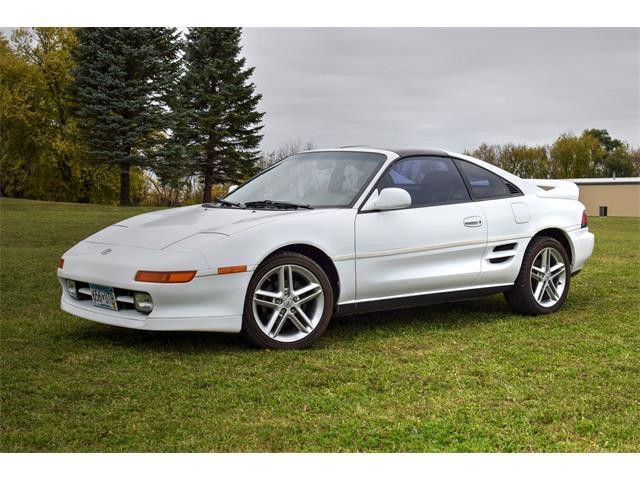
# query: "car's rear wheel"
[289,302]
[543,282]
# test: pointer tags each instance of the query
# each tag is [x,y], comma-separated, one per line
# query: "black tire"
[252,332]
[521,298]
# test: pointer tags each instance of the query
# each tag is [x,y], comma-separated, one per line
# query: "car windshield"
[317,179]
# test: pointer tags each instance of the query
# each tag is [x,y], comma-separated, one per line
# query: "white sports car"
[334,232]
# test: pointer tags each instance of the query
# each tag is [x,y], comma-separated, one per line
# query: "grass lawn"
[460,377]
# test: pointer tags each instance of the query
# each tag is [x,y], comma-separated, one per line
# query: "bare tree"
[185,192]
[285,150]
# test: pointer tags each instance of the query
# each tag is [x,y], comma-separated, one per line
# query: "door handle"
[472,222]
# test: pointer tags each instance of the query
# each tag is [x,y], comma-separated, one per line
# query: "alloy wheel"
[548,277]
[288,303]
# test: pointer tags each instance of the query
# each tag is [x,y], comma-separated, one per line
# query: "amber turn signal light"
[233,269]
[61,263]
[165,277]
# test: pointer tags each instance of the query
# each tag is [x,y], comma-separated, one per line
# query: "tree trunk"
[125,185]
[208,168]
[208,179]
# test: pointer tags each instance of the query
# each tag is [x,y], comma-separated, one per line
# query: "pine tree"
[124,78]
[218,124]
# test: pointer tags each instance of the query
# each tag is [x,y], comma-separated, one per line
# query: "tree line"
[156,116]
[591,154]
[87,114]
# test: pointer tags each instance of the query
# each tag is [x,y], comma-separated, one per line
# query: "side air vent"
[502,253]
[513,190]
[504,247]
[499,259]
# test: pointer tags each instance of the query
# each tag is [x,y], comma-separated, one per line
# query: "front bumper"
[133,319]
[209,302]
[582,241]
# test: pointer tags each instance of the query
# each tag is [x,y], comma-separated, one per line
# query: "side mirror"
[392,199]
[232,188]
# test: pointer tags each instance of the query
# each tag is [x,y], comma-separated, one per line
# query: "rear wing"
[555,189]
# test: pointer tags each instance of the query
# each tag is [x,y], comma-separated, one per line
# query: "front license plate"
[103,297]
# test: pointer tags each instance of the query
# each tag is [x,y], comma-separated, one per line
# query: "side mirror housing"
[232,188]
[392,199]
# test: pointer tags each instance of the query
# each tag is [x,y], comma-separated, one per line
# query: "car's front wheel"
[289,302]
[543,282]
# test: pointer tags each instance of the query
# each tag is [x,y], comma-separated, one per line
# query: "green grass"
[460,377]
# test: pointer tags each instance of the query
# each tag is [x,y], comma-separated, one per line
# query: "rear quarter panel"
[508,224]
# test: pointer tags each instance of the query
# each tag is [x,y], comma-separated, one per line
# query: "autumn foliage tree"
[592,154]
[40,152]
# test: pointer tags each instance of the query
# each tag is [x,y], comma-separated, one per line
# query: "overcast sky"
[442,87]
[450,88]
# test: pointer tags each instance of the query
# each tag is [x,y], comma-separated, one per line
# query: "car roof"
[402,151]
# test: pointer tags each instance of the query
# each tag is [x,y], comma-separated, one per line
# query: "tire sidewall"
[250,328]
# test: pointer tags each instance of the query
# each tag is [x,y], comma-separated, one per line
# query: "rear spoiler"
[555,189]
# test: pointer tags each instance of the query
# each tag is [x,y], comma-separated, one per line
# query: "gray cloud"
[444,87]
[451,88]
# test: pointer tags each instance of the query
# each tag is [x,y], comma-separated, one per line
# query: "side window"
[483,183]
[429,180]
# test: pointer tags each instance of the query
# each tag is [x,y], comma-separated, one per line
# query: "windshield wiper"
[276,204]
[220,201]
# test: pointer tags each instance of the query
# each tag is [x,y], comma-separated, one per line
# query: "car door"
[434,245]
[508,221]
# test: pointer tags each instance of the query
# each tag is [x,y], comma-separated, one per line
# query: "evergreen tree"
[124,80]
[218,125]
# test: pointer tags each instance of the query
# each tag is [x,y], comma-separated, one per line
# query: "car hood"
[159,229]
